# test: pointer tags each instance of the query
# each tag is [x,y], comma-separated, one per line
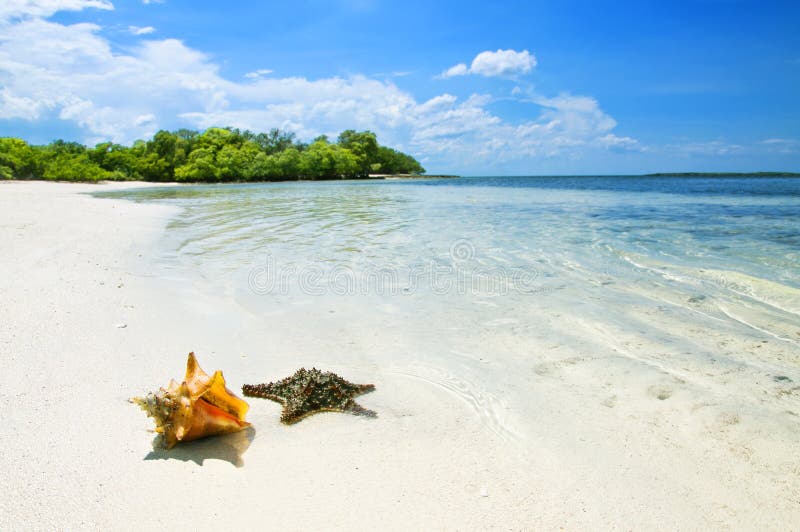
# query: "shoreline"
[412,176]
[378,177]
[137,183]
[73,443]
[78,455]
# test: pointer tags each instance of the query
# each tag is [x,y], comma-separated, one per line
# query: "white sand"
[670,450]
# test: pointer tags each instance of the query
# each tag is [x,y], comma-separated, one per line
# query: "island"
[212,156]
[723,174]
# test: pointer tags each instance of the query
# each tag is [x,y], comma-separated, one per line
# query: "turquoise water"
[751,226]
[466,283]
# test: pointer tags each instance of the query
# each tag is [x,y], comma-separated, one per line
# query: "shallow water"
[482,286]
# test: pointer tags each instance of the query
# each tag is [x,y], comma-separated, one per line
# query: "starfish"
[310,391]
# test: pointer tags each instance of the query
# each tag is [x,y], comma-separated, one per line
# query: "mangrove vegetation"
[215,155]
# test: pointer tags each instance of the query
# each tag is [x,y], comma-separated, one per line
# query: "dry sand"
[76,454]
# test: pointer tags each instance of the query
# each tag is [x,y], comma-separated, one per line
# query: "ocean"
[496,288]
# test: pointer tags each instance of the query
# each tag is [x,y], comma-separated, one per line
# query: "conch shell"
[200,406]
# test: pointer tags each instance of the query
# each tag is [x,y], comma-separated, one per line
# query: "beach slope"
[86,324]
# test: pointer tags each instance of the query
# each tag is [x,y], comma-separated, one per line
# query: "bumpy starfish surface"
[310,391]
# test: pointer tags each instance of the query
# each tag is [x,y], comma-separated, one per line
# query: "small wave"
[489,407]
[783,297]
[760,304]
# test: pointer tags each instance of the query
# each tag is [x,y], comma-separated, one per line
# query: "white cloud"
[12,106]
[142,120]
[310,107]
[782,146]
[456,70]
[615,143]
[503,63]
[581,116]
[499,63]
[70,72]
[706,148]
[141,30]
[261,72]
[469,133]
[13,9]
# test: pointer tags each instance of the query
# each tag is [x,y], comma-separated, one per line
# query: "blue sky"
[575,87]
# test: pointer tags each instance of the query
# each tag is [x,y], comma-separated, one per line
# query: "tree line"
[214,155]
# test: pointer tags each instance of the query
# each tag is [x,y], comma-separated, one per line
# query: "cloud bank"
[52,71]
[14,9]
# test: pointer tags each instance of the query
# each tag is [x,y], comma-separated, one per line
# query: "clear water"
[479,285]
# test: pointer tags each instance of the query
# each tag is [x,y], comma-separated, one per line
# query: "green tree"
[200,166]
[61,146]
[316,162]
[67,166]
[265,167]
[117,159]
[217,154]
[289,163]
[390,161]
[364,145]
[214,138]
[274,141]
[17,159]
[236,163]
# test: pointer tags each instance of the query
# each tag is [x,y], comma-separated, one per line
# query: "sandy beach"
[87,324]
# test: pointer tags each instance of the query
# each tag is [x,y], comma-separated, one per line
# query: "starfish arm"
[358,410]
[364,388]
